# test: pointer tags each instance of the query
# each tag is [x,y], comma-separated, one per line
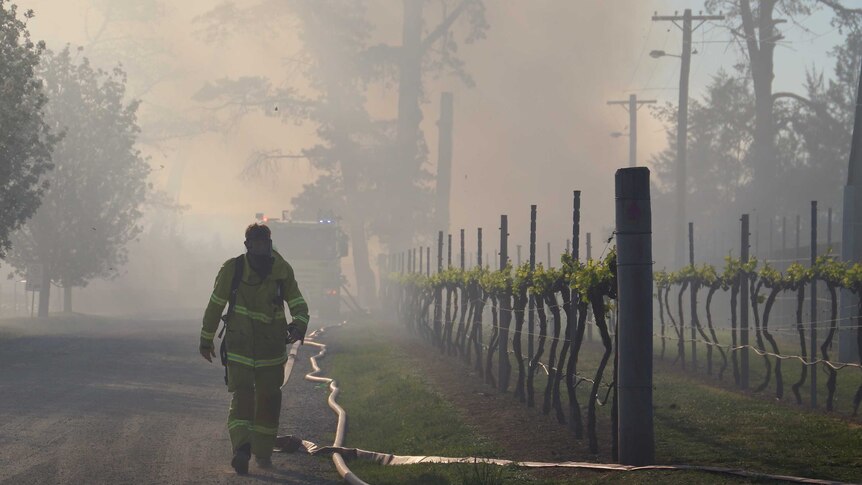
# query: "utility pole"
[444,161]
[632,105]
[687,20]
[851,236]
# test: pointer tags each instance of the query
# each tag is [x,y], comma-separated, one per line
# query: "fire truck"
[314,249]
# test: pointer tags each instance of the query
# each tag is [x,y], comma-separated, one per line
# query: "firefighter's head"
[258,244]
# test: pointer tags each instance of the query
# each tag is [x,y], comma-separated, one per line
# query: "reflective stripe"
[302,318]
[217,300]
[207,335]
[239,423]
[241,359]
[261,317]
[264,430]
[270,362]
[295,302]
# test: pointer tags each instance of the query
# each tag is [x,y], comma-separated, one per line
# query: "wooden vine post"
[504,366]
[634,289]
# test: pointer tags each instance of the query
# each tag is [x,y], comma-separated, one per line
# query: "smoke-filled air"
[507,241]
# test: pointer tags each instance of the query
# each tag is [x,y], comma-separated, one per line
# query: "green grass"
[392,409]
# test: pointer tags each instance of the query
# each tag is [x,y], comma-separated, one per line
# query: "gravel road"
[95,400]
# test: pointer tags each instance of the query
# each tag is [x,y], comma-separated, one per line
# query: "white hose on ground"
[312,376]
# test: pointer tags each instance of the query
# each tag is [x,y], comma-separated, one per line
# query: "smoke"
[534,128]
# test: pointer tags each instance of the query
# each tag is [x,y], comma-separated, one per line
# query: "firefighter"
[254,286]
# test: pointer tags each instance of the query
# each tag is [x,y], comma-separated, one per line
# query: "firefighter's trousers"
[255,406]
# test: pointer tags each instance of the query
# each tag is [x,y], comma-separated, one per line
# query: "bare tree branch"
[838,7]
[444,26]
[818,108]
[261,163]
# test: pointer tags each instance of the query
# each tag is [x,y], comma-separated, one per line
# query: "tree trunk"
[406,163]
[44,294]
[365,286]
[761,49]
[67,299]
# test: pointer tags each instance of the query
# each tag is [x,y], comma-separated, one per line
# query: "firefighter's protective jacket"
[257,330]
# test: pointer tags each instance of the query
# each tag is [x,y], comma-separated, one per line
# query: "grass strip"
[392,409]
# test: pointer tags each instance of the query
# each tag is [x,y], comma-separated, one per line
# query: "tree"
[366,163]
[755,26]
[25,138]
[719,141]
[91,210]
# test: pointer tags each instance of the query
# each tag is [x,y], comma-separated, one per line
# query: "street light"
[657,54]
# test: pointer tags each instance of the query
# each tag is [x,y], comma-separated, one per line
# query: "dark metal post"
[479,252]
[635,341]
[692,288]
[813,354]
[576,225]
[449,264]
[589,257]
[743,306]
[531,322]
[462,250]
[439,251]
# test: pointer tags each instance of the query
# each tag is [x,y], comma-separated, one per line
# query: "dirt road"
[86,400]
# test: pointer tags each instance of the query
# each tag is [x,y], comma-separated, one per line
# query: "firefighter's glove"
[294,333]
[207,353]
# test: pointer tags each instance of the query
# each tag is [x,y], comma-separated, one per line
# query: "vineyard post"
[409,262]
[784,306]
[531,322]
[693,292]
[576,225]
[743,306]
[401,262]
[589,257]
[462,251]
[549,255]
[421,259]
[449,260]
[635,341]
[829,229]
[428,261]
[479,252]
[568,246]
[756,234]
[771,230]
[798,232]
[813,305]
[438,294]
[439,252]
[505,310]
[519,255]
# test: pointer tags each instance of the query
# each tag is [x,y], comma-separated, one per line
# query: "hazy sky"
[534,128]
